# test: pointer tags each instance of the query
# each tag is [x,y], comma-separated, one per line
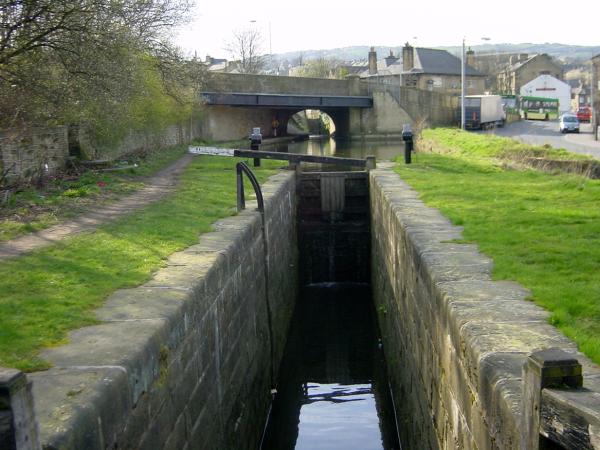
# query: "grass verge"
[60,198]
[541,230]
[49,292]
[474,145]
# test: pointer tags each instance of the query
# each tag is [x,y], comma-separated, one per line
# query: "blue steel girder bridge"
[237,102]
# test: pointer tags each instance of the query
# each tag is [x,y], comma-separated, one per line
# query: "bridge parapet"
[273,84]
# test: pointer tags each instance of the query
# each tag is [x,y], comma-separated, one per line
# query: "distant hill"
[567,53]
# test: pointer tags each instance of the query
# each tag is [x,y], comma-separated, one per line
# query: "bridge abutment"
[229,123]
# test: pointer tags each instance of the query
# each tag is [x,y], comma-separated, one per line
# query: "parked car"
[568,123]
[584,114]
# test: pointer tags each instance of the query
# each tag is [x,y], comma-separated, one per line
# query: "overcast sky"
[313,24]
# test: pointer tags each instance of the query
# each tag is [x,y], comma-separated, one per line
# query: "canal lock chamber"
[188,359]
[333,391]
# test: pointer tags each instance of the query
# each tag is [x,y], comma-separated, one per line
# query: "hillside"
[567,53]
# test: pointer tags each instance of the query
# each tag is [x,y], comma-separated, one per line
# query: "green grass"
[541,230]
[32,209]
[50,292]
[457,142]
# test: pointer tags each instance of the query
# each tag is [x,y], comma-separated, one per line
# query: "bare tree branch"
[246,48]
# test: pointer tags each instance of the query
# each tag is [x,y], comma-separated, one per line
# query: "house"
[438,70]
[386,71]
[524,69]
[580,96]
[220,65]
[548,86]
[492,64]
[354,67]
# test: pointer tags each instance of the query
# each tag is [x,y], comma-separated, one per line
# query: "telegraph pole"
[462,87]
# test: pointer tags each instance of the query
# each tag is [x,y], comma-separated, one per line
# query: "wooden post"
[552,367]
[18,428]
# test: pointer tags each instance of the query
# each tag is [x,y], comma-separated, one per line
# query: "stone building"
[580,95]
[548,86]
[521,71]
[385,71]
[437,70]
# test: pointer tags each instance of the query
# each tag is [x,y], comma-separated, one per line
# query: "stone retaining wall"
[29,154]
[184,361]
[34,153]
[455,340]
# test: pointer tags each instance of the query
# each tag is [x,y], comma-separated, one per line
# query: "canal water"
[327,146]
[333,391]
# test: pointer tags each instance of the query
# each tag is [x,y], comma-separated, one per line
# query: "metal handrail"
[240,169]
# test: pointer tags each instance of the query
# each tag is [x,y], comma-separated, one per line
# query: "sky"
[312,24]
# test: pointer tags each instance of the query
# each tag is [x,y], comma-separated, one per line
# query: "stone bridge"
[237,102]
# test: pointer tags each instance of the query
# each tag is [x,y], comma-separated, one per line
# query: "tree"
[66,60]
[246,47]
[322,68]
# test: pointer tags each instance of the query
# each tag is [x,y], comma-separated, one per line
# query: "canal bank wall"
[456,342]
[184,361]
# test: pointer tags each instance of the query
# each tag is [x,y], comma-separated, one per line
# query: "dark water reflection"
[326,146]
[333,391]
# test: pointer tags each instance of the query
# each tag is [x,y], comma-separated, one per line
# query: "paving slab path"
[155,188]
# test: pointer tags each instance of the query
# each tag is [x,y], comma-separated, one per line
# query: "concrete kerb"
[104,369]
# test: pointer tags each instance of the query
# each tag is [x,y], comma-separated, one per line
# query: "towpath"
[155,188]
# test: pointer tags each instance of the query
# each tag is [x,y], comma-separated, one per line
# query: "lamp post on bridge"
[270,42]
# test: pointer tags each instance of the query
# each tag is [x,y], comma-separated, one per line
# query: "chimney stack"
[372,61]
[408,57]
[470,57]
[389,60]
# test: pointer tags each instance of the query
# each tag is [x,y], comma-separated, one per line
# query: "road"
[541,132]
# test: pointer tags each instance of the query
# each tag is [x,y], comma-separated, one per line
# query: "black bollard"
[255,141]
[407,137]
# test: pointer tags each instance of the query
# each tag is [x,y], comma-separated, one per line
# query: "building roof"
[439,62]
[390,65]
[383,69]
[520,64]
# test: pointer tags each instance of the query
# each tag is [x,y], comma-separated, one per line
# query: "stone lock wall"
[184,361]
[455,341]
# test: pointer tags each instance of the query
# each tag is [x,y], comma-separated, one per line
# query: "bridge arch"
[315,122]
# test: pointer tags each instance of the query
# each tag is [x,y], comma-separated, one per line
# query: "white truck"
[484,111]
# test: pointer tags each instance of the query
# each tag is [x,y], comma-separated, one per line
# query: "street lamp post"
[463,83]
[462,86]
[593,93]
[270,43]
